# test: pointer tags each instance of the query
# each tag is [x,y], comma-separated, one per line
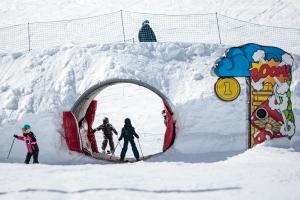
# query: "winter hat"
[146,22]
[26,127]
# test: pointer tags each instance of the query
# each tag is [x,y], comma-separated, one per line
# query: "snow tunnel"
[78,122]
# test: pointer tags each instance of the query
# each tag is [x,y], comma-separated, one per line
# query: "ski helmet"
[105,120]
[127,121]
[26,127]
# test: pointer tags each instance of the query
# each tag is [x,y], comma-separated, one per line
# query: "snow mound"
[36,87]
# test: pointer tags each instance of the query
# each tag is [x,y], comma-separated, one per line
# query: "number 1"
[227,88]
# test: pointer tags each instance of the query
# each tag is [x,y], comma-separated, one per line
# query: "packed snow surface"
[261,173]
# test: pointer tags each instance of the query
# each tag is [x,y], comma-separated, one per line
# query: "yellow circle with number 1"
[227,89]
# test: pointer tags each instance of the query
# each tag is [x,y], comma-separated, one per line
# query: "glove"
[120,139]
[16,136]
[137,136]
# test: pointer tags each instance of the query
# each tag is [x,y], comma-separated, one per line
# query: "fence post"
[218,28]
[123,29]
[28,34]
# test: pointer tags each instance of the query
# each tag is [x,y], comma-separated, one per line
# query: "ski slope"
[267,12]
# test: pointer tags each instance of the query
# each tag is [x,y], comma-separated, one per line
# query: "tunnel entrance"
[79,121]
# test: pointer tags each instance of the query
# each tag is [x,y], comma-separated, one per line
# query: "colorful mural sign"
[270,73]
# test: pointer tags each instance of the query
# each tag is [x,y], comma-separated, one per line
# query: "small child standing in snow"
[128,133]
[31,144]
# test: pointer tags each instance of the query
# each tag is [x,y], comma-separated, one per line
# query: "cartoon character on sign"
[270,72]
[273,117]
[268,122]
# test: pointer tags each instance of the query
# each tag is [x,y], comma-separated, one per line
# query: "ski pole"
[114,150]
[140,147]
[12,144]
[117,145]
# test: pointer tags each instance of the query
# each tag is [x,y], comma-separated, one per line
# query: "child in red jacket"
[31,144]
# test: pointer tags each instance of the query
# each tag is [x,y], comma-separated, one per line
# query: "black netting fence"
[123,26]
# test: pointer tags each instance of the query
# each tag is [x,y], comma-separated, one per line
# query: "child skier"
[128,133]
[107,129]
[31,144]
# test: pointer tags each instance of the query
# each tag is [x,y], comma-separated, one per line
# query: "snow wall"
[37,87]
